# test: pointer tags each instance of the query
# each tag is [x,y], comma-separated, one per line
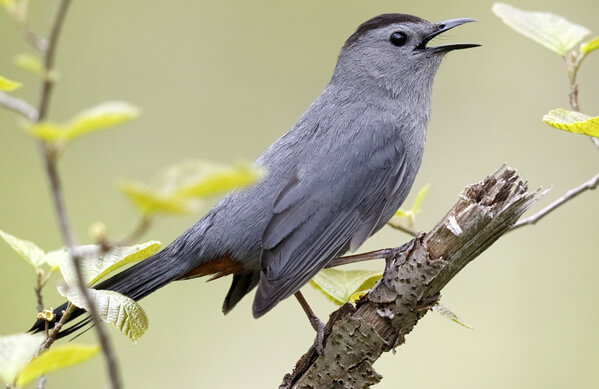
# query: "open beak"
[441,27]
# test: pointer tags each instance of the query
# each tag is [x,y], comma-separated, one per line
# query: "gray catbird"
[335,179]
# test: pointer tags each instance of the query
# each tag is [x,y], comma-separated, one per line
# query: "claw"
[318,326]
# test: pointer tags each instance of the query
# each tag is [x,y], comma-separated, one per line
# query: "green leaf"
[571,121]
[341,286]
[8,85]
[121,256]
[419,198]
[31,64]
[551,31]
[96,264]
[178,188]
[29,251]
[211,180]
[589,46]
[46,131]
[448,314]
[56,358]
[150,202]
[119,310]
[101,117]
[15,352]
[55,258]
[411,213]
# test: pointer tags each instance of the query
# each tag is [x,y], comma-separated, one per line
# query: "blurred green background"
[221,80]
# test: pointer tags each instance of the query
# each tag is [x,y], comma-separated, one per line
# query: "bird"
[332,181]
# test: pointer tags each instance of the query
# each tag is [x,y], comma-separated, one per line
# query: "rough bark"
[355,337]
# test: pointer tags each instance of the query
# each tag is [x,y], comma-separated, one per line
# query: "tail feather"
[135,282]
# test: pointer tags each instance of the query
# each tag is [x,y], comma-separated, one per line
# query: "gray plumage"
[333,180]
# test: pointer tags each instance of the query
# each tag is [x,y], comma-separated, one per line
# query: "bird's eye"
[398,38]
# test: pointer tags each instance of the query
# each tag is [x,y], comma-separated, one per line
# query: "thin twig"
[50,158]
[18,13]
[140,229]
[590,184]
[56,329]
[573,61]
[38,291]
[401,228]
[49,57]
[36,41]
[19,106]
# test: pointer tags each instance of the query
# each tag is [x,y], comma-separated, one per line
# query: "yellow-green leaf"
[33,65]
[149,201]
[55,258]
[119,310]
[179,188]
[420,198]
[96,264]
[589,46]
[29,251]
[550,30]
[571,121]
[56,358]
[121,256]
[213,180]
[448,314]
[47,131]
[15,352]
[101,117]
[411,213]
[341,286]
[8,85]
[30,63]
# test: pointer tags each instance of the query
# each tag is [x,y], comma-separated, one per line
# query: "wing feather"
[313,220]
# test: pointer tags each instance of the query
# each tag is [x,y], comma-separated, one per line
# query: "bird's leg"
[316,323]
[386,254]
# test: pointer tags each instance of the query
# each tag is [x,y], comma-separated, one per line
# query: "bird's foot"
[319,327]
[315,322]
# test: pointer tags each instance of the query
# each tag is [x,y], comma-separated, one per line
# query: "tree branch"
[355,337]
[50,155]
[589,185]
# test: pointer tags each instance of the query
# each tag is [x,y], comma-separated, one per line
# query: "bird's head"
[394,51]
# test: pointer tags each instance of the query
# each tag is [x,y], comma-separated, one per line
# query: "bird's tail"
[135,282]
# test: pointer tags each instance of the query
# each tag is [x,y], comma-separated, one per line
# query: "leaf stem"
[573,60]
